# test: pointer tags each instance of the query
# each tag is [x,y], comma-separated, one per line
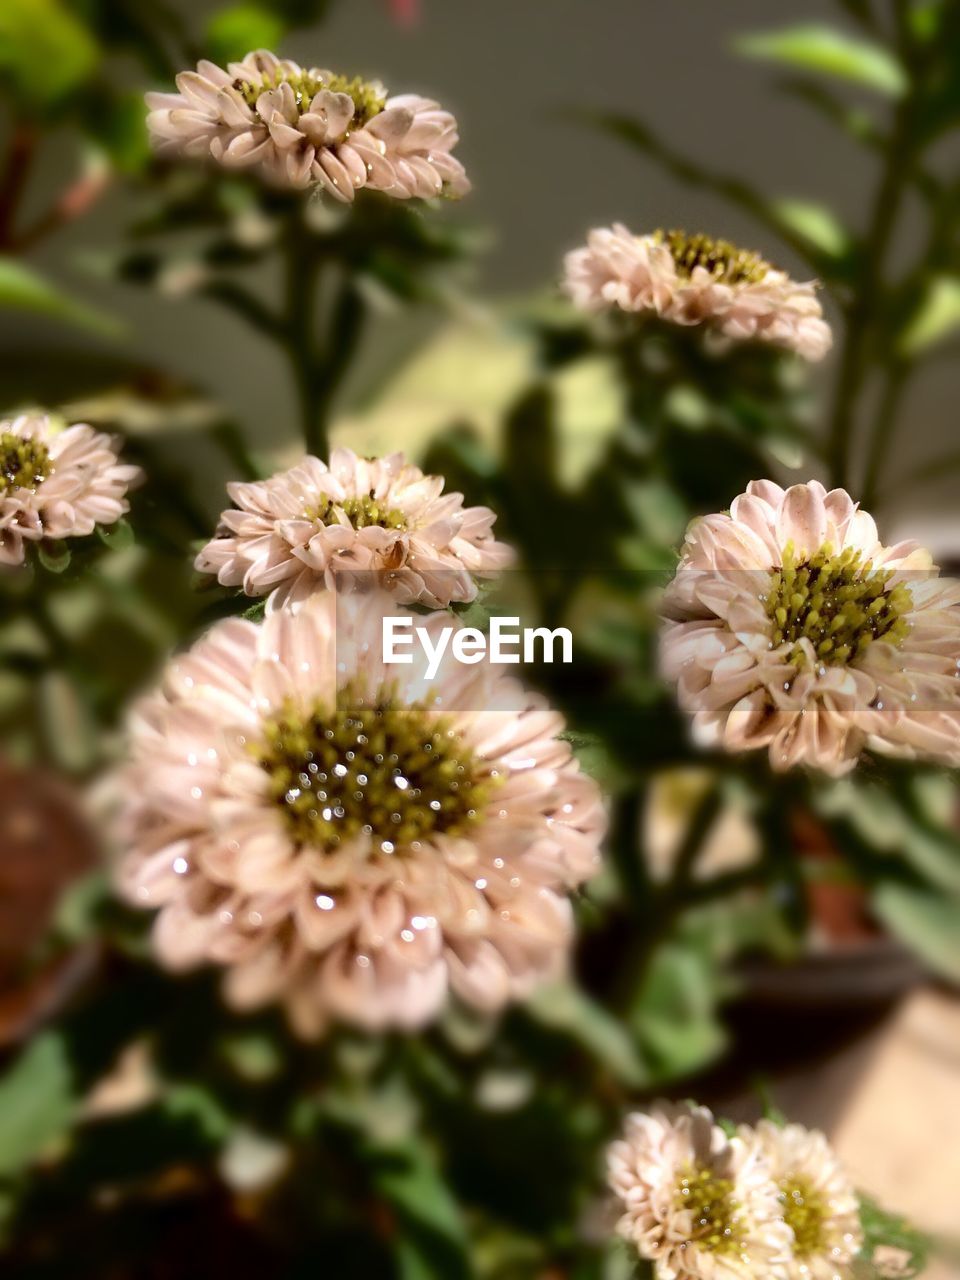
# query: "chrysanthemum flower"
[699,1205]
[345,836]
[56,484]
[309,128]
[695,279]
[292,534]
[792,627]
[818,1201]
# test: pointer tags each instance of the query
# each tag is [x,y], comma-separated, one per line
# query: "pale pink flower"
[296,532]
[818,1200]
[694,280]
[792,627]
[56,484]
[619,269]
[346,836]
[699,1205]
[308,128]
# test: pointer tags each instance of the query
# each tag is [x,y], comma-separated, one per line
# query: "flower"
[695,279]
[56,484]
[818,1201]
[345,836]
[791,626]
[309,128]
[383,517]
[617,268]
[699,1205]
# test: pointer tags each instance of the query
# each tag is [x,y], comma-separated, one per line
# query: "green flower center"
[368,99]
[717,1223]
[362,512]
[727,263]
[24,462]
[395,772]
[839,602]
[806,1213]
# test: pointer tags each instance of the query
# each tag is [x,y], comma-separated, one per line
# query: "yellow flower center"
[363,512]
[397,773]
[807,1215]
[368,99]
[838,602]
[24,462]
[727,263]
[717,1221]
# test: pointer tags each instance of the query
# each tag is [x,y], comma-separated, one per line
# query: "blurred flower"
[695,279]
[56,484]
[819,1203]
[383,517]
[892,1262]
[792,627]
[309,128]
[350,839]
[699,1205]
[731,843]
[617,268]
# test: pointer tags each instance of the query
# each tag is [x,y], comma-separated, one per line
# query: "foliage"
[474,1150]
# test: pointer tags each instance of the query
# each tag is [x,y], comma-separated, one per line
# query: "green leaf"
[937,316]
[925,922]
[233,32]
[887,1230]
[54,556]
[117,535]
[564,1007]
[36,1102]
[431,1236]
[45,52]
[24,289]
[676,1013]
[816,223]
[831,52]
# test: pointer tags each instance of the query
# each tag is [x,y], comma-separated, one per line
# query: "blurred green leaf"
[117,535]
[937,316]
[817,223]
[564,1007]
[45,52]
[887,1230]
[675,1015]
[24,289]
[36,1102]
[831,52]
[234,32]
[925,922]
[54,556]
[68,725]
[431,1238]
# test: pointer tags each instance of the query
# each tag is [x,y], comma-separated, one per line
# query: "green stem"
[302,284]
[861,312]
[884,431]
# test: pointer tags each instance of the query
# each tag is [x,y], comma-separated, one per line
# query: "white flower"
[293,534]
[56,484]
[818,1201]
[792,627]
[346,837]
[309,128]
[696,280]
[699,1205]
